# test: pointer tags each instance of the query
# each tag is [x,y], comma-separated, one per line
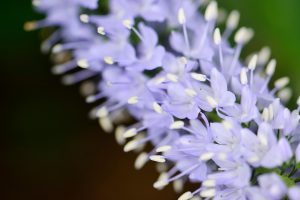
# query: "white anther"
[217,36]
[198,77]
[211,12]
[36,3]
[140,161]
[264,55]
[270,69]
[157,108]
[57,48]
[119,135]
[158,158]
[298,101]
[233,20]
[227,124]
[209,183]
[253,62]
[190,92]
[243,35]
[211,101]
[186,196]
[128,23]
[271,112]
[183,60]
[106,124]
[253,159]
[161,182]
[207,156]
[108,60]
[243,76]
[132,145]
[178,185]
[181,16]
[84,18]
[282,82]
[133,100]
[83,63]
[163,149]
[101,30]
[222,156]
[265,114]
[209,193]
[285,94]
[262,139]
[130,133]
[102,112]
[172,77]
[177,125]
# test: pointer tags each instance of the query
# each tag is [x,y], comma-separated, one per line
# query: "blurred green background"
[49,147]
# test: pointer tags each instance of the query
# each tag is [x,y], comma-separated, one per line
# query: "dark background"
[49,149]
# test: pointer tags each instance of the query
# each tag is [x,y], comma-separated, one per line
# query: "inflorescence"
[211,119]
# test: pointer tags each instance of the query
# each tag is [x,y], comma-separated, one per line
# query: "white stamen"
[222,156]
[108,60]
[253,159]
[119,135]
[243,76]
[102,112]
[130,133]
[217,36]
[298,101]
[177,125]
[36,2]
[178,185]
[285,94]
[106,124]
[227,124]
[282,82]
[186,196]
[271,112]
[101,30]
[190,92]
[270,69]
[133,100]
[209,183]
[132,145]
[264,55]
[161,167]
[84,18]
[211,13]
[209,193]
[140,161]
[207,156]
[211,101]
[253,62]
[128,23]
[163,149]
[233,20]
[158,158]
[57,48]
[198,77]
[262,139]
[183,60]
[243,35]
[83,63]
[157,108]
[161,182]
[172,77]
[265,114]
[181,16]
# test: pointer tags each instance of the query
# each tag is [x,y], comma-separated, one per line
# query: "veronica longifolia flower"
[211,117]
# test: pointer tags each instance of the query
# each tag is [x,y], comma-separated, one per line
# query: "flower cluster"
[211,118]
